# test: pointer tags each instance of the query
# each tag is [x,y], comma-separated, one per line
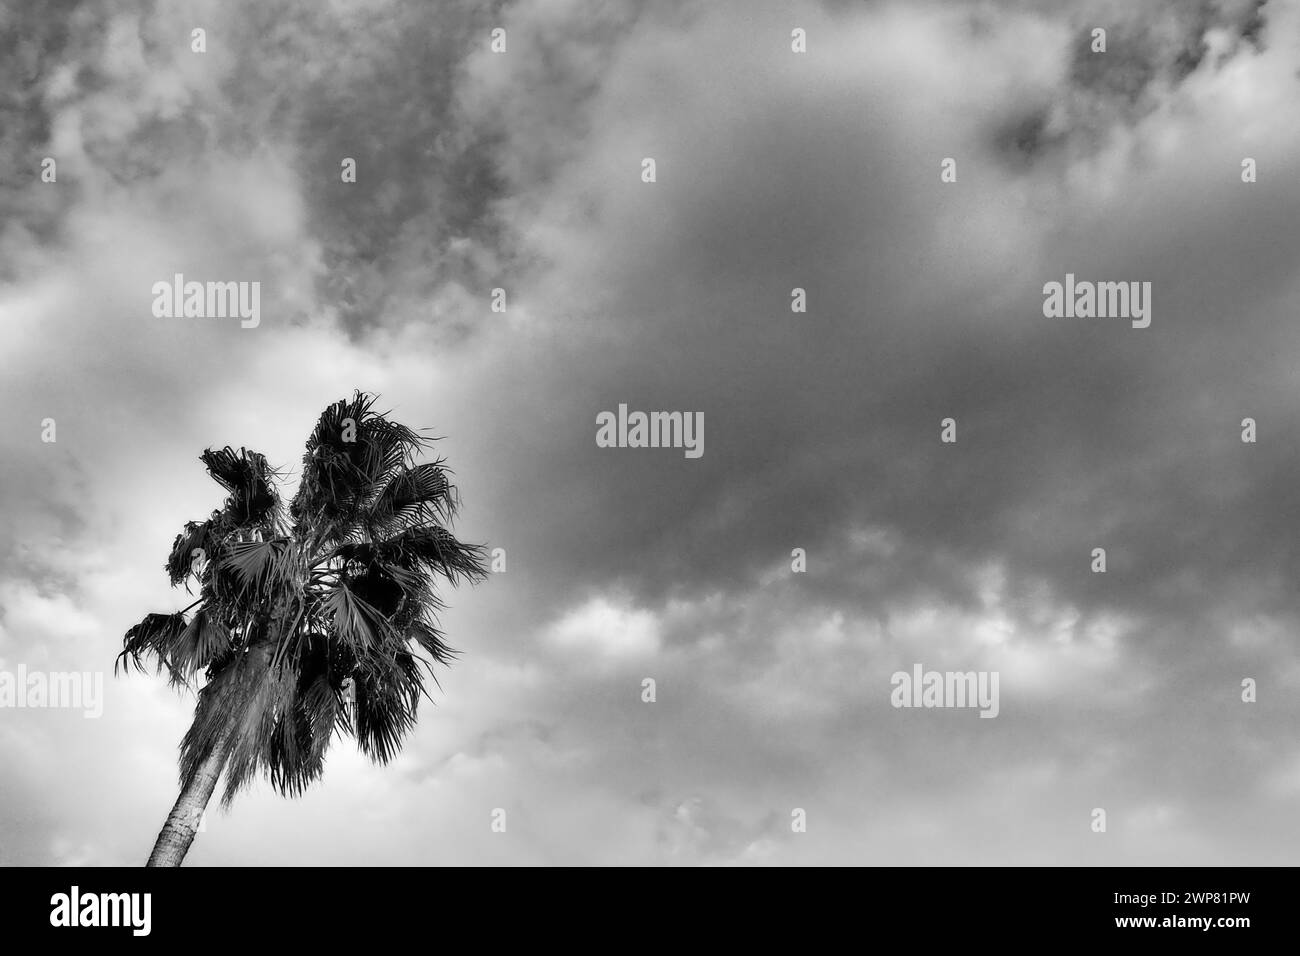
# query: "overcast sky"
[774,169]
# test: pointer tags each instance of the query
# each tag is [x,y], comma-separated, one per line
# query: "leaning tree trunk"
[183,822]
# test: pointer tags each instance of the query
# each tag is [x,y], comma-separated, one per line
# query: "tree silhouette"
[310,621]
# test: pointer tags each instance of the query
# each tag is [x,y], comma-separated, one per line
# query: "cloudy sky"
[820,170]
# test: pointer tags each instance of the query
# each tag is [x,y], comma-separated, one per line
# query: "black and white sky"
[819,170]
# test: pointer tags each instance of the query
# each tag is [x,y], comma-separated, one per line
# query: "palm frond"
[412,495]
[154,637]
[261,568]
[355,623]
[201,536]
[201,642]
[438,550]
[430,639]
[385,706]
[246,475]
[351,455]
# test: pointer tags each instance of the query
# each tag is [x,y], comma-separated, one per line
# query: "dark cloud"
[1071,432]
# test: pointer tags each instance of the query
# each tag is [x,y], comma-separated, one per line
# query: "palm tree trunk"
[183,822]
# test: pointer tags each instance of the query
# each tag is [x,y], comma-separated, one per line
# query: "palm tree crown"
[314,618]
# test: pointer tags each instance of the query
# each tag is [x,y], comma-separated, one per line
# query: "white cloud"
[609,629]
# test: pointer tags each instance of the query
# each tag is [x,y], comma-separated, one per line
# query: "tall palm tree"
[308,622]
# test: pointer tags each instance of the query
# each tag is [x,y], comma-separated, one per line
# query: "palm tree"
[311,621]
